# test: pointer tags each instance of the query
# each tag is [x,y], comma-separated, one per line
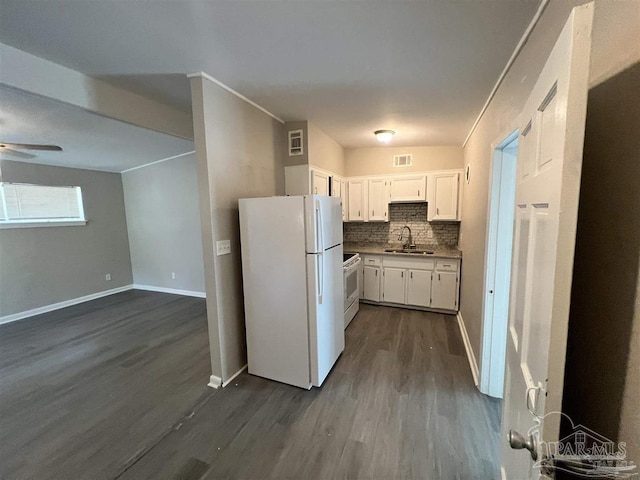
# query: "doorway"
[498,265]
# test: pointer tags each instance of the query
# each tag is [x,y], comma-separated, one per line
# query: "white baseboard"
[214,382]
[57,306]
[233,377]
[473,364]
[175,291]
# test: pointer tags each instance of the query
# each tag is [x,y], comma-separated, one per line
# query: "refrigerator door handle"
[320,277]
[320,226]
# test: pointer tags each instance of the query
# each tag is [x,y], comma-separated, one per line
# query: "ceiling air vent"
[405,160]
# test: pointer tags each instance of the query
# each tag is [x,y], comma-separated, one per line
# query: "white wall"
[615,45]
[239,152]
[163,220]
[379,160]
[324,151]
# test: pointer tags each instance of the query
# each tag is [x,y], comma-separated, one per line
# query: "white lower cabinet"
[393,285]
[371,290]
[371,278]
[418,282]
[419,288]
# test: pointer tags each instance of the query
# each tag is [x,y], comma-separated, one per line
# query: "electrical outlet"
[173,275]
[107,277]
[223,247]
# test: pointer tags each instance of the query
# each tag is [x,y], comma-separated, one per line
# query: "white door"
[419,288]
[323,222]
[393,283]
[378,200]
[356,200]
[549,165]
[445,194]
[371,288]
[319,183]
[408,189]
[325,293]
[444,290]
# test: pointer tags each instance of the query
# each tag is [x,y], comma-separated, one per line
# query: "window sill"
[42,223]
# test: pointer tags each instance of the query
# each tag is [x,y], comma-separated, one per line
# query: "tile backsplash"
[414,215]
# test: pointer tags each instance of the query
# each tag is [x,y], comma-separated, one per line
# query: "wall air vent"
[295,143]
[405,160]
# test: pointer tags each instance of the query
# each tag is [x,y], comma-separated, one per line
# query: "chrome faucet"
[409,243]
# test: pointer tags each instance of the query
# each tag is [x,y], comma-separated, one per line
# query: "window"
[24,205]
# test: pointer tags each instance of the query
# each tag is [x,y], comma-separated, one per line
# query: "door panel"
[444,290]
[326,311]
[378,200]
[356,200]
[419,288]
[371,290]
[393,285]
[549,165]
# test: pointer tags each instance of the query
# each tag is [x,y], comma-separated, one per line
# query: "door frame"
[495,311]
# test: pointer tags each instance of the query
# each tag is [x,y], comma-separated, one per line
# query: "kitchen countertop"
[379,249]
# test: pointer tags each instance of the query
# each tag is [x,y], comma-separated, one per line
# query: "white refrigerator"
[293,286]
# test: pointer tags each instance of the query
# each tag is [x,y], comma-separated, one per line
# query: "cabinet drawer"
[373,261]
[447,265]
[408,262]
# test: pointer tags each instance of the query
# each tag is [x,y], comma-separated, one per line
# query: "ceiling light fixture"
[384,136]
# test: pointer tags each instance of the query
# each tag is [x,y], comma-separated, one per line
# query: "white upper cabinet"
[319,183]
[357,200]
[443,196]
[408,189]
[336,186]
[378,210]
[344,195]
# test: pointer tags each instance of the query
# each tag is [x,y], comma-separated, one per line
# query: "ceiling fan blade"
[31,146]
[14,153]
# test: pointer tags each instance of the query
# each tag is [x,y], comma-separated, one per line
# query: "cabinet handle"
[373,213]
[437,211]
[376,273]
[438,277]
[358,212]
[401,274]
[418,192]
[411,274]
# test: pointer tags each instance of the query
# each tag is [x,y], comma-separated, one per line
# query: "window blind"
[40,203]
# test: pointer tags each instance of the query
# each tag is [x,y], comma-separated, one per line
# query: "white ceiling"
[422,68]
[88,140]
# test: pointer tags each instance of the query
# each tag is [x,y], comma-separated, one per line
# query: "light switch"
[223,247]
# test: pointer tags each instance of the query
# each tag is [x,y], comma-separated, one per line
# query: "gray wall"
[614,47]
[240,154]
[602,384]
[324,151]
[46,265]
[163,219]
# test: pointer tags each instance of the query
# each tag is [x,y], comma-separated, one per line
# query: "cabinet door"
[371,283]
[445,196]
[378,200]
[419,288]
[345,200]
[393,285]
[319,183]
[408,189]
[357,200]
[336,186]
[444,290]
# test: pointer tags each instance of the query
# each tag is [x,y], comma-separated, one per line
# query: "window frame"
[6,223]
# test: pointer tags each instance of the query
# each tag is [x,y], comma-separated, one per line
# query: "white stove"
[351,266]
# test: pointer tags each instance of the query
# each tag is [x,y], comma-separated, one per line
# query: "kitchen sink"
[411,251]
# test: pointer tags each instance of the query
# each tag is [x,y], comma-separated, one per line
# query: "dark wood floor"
[116,389]
[86,390]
